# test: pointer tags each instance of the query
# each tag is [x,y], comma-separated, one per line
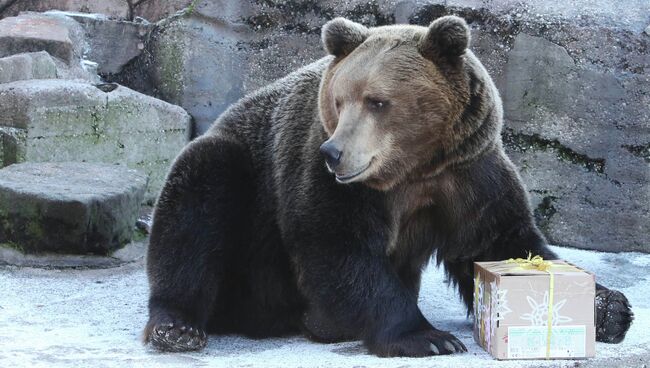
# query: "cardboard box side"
[501,351]
[528,300]
[484,329]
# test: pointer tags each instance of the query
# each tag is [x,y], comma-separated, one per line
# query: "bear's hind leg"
[199,221]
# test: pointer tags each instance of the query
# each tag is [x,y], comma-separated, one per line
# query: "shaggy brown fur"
[255,234]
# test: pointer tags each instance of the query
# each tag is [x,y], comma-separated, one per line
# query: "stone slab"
[61,120]
[132,252]
[32,65]
[110,43]
[69,207]
[28,34]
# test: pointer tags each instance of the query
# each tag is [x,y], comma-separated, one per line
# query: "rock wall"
[152,10]
[53,106]
[574,77]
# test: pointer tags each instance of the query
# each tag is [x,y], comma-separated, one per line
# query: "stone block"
[33,65]
[110,43]
[71,207]
[35,33]
[61,120]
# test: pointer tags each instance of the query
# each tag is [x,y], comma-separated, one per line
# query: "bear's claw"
[175,336]
[613,316]
[419,344]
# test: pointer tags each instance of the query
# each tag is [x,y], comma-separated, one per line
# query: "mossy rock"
[75,208]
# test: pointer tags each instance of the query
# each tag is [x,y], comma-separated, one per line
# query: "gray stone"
[112,8]
[40,65]
[60,120]
[34,65]
[589,119]
[69,207]
[205,94]
[74,42]
[131,252]
[34,32]
[152,10]
[155,10]
[111,43]
[647,30]
[581,208]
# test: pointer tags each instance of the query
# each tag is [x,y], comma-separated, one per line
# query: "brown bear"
[313,205]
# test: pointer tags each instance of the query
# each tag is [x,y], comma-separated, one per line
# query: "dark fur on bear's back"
[253,235]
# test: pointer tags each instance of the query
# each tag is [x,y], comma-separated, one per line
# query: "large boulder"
[181,47]
[60,36]
[69,207]
[87,44]
[33,65]
[61,120]
[36,33]
[580,134]
[110,43]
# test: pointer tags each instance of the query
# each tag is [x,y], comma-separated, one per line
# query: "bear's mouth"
[343,179]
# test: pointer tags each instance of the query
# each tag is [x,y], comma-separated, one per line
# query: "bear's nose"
[332,154]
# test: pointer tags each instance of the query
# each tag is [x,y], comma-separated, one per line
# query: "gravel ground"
[94,318]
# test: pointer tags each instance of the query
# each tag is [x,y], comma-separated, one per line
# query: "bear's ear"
[447,37]
[342,36]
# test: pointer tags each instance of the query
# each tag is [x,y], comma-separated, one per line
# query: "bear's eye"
[376,104]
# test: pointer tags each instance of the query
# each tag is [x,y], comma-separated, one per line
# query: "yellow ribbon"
[538,263]
[532,263]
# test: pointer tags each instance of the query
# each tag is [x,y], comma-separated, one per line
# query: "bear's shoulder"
[263,107]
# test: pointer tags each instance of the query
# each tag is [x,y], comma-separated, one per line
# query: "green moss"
[192,7]
[13,245]
[34,230]
[170,60]
[94,125]
[139,235]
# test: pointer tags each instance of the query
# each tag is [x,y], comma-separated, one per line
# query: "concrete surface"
[94,318]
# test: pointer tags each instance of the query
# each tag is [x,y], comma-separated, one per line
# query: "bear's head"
[391,97]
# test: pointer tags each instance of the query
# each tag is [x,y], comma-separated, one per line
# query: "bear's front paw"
[173,335]
[419,344]
[613,316]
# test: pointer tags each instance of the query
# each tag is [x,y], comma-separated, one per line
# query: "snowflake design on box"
[478,298]
[539,312]
[479,306]
[499,307]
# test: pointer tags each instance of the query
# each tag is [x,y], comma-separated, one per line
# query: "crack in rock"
[521,142]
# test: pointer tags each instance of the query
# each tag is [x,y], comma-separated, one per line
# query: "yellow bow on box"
[532,263]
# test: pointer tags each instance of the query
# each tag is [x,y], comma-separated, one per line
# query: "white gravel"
[94,318]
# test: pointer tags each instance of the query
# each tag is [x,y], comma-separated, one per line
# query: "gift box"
[534,309]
